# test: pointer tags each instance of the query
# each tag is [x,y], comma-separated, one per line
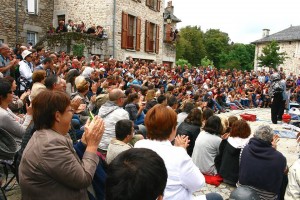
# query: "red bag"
[248,117]
[286,118]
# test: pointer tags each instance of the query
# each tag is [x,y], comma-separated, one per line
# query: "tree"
[206,62]
[182,63]
[240,56]
[271,56]
[216,43]
[190,45]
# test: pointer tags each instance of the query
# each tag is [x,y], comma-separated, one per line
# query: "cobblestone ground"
[286,146]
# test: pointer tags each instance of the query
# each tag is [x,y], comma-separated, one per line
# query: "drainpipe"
[114,27]
[17,22]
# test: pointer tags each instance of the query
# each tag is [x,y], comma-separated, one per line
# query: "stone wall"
[292,63]
[93,12]
[36,23]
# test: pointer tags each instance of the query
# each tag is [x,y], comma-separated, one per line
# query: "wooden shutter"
[157,40]
[124,30]
[147,2]
[138,34]
[147,36]
[168,33]
[158,5]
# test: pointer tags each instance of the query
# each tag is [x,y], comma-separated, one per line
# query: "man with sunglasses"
[26,70]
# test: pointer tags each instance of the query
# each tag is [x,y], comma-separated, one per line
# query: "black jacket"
[190,130]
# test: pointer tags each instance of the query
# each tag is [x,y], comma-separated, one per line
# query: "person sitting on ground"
[207,146]
[136,174]
[227,161]
[184,177]
[124,134]
[191,128]
[262,167]
[207,113]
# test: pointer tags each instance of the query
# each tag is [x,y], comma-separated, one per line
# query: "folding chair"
[8,149]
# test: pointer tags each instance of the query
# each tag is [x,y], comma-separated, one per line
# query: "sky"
[243,20]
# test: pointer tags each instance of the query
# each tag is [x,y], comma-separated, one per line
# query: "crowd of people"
[137,129]
[79,28]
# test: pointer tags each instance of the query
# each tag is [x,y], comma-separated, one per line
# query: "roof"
[173,17]
[290,34]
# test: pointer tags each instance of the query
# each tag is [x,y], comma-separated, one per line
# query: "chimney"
[266,32]
[170,7]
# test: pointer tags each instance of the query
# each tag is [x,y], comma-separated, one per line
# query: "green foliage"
[78,49]
[190,45]
[240,56]
[216,42]
[182,63]
[206,62]
[271,56]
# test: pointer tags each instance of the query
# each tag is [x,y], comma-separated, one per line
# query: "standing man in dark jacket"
[276,93]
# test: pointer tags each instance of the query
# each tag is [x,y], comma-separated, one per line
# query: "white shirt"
[26,71]
[184,178]
[181,117]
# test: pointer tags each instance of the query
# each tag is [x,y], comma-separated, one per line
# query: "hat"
[25,53]
[102,69]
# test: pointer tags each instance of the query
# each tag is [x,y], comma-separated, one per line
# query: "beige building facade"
[134,28]
[289,42]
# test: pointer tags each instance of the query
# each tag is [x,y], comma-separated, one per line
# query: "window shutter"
[157,40]
[147,2]
[31,6]
[138,34]
[168,32]
[158,5]
[124,30]
[147,37]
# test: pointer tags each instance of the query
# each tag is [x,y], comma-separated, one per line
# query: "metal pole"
[114,27]
[17,22]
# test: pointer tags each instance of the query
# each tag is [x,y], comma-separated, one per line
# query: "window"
[1,41]
[32,7]
[131,32]
[31,37]
[61,18]
[152,37]
[153,4]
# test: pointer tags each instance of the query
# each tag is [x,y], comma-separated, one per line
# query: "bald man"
[5,63]
[112,112]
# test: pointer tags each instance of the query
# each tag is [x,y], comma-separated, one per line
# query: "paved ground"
[286,146]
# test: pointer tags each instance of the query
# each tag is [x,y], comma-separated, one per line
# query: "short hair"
[150,95]
[265,133]
[45,105]
[51,80]
[240,128]
[115,94]
[188,107]
[38,75]
[123,128]
[39,48]
[207,113]
[144,90]
[132,97]
[47,60]
[194,117]
[172,101]
[213,125]
[161,98]
[135,174]
[5,88]
[231,120]
[160,122]
[170,88]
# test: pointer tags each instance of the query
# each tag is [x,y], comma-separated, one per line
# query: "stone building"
[24,21]
[289,42]
[136,28]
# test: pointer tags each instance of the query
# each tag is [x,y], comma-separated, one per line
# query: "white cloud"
[243,20]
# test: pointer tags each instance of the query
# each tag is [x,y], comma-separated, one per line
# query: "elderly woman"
[38,79]
[191,127]
[50,167]
[184,178]
[262,167]
[10,122]
[207,146]
[227,162]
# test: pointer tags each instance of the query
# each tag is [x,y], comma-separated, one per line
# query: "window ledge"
[132,50]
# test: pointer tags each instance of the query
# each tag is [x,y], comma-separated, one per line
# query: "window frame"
[32,7]
[29,39]
[131,30]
